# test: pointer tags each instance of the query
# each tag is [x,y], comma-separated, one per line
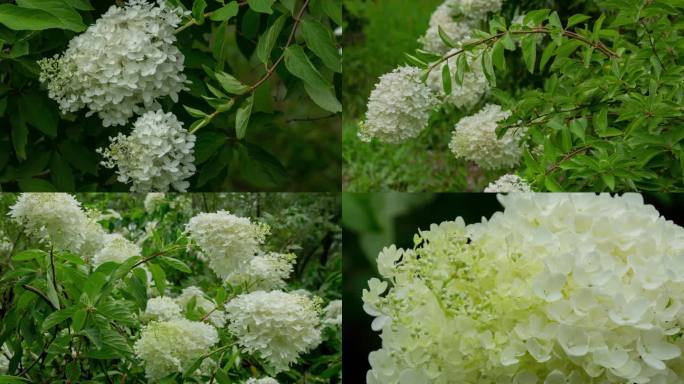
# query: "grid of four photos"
[306,191]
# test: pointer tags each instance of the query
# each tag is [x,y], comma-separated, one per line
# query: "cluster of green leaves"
[84,321]
[609,115]
[263,97]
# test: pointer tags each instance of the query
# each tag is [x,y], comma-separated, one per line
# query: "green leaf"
[552,185]
[488,68]
[498,57]
[576,19]
[320,41]
[546,55]
[208,142]
[19,134]
[115,341]
[61,175]
[57,317]
[333,8]
[261,167]
[93,285]
[446,39]
[324,98]
[609,180]
[5,379]
[508,42]
[446,80]
[230,83]
[299,65]
[214,167]
[175,264]
[529,48]
[261,6]
[159,277]
[117,311]
[554,20]
[226,12]
[39,15]
[29,254]
[195,112]
[242,117]
[461,68]
[79,156]
[78,319]
[600,120]
[83,5]
[35,185]
[268,39]
[198,7]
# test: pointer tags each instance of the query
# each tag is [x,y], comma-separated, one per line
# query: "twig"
[218,366]
[651,42]
[40,356]
[567,157]
[39,293]
[52,267]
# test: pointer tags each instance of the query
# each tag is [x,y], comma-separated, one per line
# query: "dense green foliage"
[83,321]
[263,86]
[600,96]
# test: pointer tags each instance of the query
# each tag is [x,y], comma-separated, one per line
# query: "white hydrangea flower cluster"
[162,308]
[228,241]
[4,364]
[153,201]
[120,65]
[157,155]
[557,288]
[263,380]
[264,272]
[508,183]
[116,248]
[94,235]
[276,325]
[399,107]
[332,314]
[473,88]
[54,218]
[217,317]
[474,139]
[457,18]
[172,346]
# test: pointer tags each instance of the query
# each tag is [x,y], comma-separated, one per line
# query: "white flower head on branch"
[275,325]
[508,183]
[227,240]
[473,88]
[216,317]
[399,107]
[474,139]
[557,288]
[172,346]
[53,218]
[263,380]
[157,155]
[120,65]
[162,308]
[117,249]
[264,272]
[445,17]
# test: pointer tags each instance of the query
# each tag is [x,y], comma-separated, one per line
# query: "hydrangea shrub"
[149,306]
[168,94]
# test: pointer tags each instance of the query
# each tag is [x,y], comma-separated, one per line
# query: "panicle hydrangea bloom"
[54,218]
[153,201]
[227,240]
[399,107]
[94,235]
[332,313]
[264,272]
[157,155]
[473,88]
[445,17]
[508,183]
[120,65]
[116,248]
[4,362]
[474,139]
[557,288]
[278,326]
[162,308]
[172,346]
[263,380]
[476,9]
[217,317]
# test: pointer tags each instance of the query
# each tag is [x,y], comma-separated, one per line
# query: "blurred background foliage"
[377,34]
[306,224]
[291,143]
[373,221]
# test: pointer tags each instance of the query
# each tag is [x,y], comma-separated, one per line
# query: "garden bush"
[157,95]
[591,99]
[217,288]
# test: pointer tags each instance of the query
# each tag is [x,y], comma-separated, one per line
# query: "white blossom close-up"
[157,155]
[556,288]
[120,65]
[162,309]
[263,380]
[332,313]
[474,139]
[116,248]
[264,272]
[172,346]
[277,326]
[227,240]
[399,107]
[508,183]
[457,28]
[153,201]
[56,219]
